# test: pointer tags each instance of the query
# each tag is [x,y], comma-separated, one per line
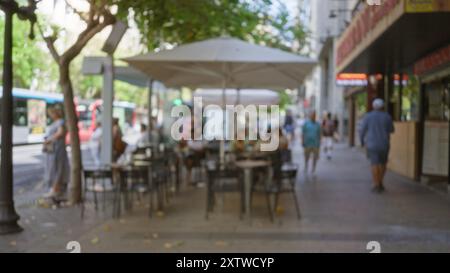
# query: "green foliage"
[176,22]
[285,100]
[412,89]
[31,61]
[127,92]
[162,22]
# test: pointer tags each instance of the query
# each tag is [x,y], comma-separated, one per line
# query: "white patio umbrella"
[225,63]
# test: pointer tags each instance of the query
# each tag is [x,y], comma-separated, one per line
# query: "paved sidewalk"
[340,214]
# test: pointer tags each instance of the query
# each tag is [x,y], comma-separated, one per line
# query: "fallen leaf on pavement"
[95,240]
[160,214]
[107,228]
[13,243]
[168,245]
[43,203]
[147,241]
[179,243]
[222,243]
[279,210]
[155,235]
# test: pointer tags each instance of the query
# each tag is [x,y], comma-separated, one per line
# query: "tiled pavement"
[340,214]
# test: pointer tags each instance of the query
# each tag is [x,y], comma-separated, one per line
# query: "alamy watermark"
[237,122]
[373,2]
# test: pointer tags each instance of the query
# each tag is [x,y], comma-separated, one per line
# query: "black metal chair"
[285,176]
[159,174]
[260,184]
[96,176]
[173,171]
[222,180]
[280,178]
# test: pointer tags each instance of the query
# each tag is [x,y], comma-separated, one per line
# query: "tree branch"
[85,16]
[50,41]
[91,30]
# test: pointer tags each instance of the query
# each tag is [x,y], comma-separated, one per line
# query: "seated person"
[144,139]
[194,155]
[238,146]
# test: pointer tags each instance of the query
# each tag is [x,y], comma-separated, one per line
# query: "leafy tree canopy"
[174,22]
[162,23]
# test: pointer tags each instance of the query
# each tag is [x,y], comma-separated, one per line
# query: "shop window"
[437,98]
[409,100]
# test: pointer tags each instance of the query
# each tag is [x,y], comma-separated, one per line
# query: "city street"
[340,214]
[195,126]
[29,171]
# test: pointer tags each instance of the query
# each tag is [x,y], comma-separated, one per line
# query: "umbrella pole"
[238,91]
[222,142]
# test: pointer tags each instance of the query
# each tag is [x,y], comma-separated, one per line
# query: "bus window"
[86,118]
[20,114]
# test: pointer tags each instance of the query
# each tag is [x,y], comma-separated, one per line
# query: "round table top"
[250,164]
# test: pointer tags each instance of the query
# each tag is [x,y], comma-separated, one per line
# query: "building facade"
[326,20]
[406,59]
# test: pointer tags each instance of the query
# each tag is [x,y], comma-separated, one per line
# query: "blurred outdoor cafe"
[224,71]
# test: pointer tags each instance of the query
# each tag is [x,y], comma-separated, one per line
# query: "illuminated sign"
[349,79]
[354,79]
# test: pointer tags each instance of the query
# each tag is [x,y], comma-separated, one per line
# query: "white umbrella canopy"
[224,63]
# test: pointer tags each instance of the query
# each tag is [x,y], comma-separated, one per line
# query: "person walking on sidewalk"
[328,132]
[289,125]
[376,128]
[311,137]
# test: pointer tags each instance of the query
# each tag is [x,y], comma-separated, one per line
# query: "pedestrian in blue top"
[311,137]
[376,129]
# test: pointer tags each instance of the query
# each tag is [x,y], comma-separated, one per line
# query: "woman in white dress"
[56,160]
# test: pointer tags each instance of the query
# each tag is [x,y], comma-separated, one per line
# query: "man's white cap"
[378,104]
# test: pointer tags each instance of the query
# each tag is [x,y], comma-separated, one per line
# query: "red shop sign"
[363,23]
[432,61]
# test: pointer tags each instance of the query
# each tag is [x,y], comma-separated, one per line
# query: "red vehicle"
[89,112]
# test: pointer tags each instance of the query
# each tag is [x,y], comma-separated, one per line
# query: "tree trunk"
[72,123]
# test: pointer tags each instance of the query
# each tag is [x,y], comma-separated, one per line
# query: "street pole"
[150,108]
[8,216]
[400,100]
[106,154]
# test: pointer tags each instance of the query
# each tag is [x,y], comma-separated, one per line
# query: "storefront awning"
[393,36]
